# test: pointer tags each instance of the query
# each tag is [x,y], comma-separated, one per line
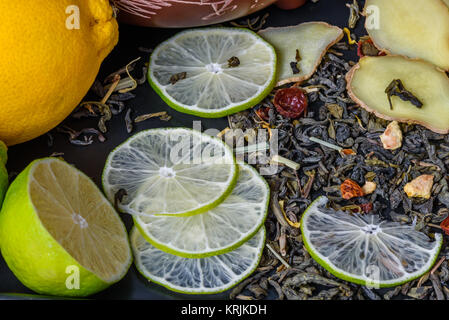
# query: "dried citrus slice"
[364,249]
[197,276]
[172,171]
[213,72]
[216,231]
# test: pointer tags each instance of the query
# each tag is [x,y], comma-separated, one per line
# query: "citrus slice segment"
[364,249]
[216,231]
[213,72]
[59,234]
[197,276]
[172,171]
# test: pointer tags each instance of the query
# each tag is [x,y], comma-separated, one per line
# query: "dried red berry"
[350,189]
[291,102]
[366,207]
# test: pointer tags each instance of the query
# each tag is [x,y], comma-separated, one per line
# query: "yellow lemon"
[50,54]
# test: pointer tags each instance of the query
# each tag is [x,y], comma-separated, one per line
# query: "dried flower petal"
[392,137]
[420,187]
[350,189]
[366,207]
[262,113]
[348,152]
[445,225]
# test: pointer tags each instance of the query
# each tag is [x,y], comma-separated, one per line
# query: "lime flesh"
[216,231]
[173,171]
[209,85]
[364,249]
[197,276]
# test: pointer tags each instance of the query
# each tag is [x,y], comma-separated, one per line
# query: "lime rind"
[250,102]
[342,274]
[231,182]
[3,153]
[197,236]
[256,243]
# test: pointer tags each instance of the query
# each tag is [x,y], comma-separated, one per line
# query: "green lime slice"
[364,249]
[197,276]
[172,171]
[192,73]
[216,231]
[59,234]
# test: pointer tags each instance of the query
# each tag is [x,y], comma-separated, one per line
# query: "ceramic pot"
[290,4]
[190,13]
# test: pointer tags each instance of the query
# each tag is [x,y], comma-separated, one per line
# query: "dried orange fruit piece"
[350,189]
[420,187]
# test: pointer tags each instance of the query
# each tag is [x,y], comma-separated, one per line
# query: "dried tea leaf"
[162,115]
[331,130]
[335,110]
[354,14]
[396,88]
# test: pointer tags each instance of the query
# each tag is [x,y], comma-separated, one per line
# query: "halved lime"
[216,231]
[172,171]
[197,276]
[364,249]
[59,234]
[213,72]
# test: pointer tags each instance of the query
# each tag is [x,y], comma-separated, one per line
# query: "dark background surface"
[91,159]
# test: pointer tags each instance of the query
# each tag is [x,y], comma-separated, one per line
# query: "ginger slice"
[368,80]
[416,29]
[311,39]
